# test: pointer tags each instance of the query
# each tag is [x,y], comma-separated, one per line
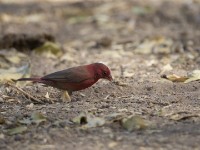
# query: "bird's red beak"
[109,78]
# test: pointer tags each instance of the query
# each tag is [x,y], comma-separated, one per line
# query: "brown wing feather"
[71,75]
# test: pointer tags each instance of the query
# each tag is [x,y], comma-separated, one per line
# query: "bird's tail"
[29,79]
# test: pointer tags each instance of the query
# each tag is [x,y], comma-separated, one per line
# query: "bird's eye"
[104,73]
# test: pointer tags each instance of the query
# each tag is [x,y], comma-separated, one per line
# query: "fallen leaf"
[181,116]
[128,74]
[62,123]
[88,121]
[80,119]
[112,144]
[111,54]
[25,121]
[165,68]
[145,47]
[49,49]
[93,121]
[14,73]
[2,136]
[139,10]
[194,76]
[157,45]
[4,64]
[10,60]
[174,78]
[114,117]
[47,95]
[30,106]
[16,130]
[2,120]
[12,57]
[37,118]
[134,123]
[34,18]
[120,83]
[68,57]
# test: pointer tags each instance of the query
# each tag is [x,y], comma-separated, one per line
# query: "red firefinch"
[75,78]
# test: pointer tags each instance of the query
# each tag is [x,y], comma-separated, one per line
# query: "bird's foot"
[65,97]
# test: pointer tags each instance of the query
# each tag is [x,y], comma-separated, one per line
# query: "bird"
[74,78]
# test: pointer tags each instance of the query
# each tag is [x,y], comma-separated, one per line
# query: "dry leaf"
[2,120]
[114,117]
[30,106]
[88,120]
[49,49]
[11,57]
[14,59]
[14,73]
[2,136]
[47,95]
[145,47]
[179,116]
[120,83]
[68,57]
[37,118]
[94,122]
[111,54]
[112,144]
[16,130]
[194,76]
[128,74]
[158,45]
[134,123]
[26,121]
[165,68]
[19,19]
[80,119]
[174,78]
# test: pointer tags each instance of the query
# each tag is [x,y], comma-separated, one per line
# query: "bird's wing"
[71,75]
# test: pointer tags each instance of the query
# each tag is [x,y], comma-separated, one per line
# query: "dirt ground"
[137,40]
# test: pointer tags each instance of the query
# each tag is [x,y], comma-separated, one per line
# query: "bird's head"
[102,71]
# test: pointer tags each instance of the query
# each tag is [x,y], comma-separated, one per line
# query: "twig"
[23,92]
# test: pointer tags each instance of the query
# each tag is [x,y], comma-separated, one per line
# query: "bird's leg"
[66,96]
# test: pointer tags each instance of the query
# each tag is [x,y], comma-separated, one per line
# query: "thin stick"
[23,92]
